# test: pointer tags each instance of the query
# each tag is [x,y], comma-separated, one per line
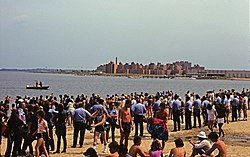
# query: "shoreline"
[131,76]
[140,76]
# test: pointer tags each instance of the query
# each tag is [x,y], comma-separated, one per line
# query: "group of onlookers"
[37,118]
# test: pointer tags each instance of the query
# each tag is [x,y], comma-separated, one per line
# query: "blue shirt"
[235,102]
[188,105]
[218,100]
[205,103]
[176,105]
[81,115]
[94,108]
[112,111]
[156,105]
[22,114]
[138,109]
[197,104]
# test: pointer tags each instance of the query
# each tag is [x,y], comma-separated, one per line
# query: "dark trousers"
[49,143]
[79,127]
[112,127]
[197,114]
[234,113]
[27,143]
[176,119]
[61,133]
[188,123]
[138,119]
[16,140]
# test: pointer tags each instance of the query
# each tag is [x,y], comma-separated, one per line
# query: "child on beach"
[218,144]
[113,148]
[136,149]
[156,150]
[178,151]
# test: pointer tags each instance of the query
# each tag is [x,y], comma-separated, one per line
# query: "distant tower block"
[116,60]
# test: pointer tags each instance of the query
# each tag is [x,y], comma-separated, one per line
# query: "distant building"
[178,68]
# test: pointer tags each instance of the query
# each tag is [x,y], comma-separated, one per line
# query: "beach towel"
[157,128]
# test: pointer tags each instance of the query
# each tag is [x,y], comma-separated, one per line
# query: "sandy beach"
[237,139]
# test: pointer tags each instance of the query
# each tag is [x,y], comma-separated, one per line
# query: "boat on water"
[37,87]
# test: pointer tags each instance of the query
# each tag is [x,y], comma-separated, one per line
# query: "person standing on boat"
[40,84]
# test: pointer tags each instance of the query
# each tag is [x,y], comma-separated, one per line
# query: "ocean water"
[14,83]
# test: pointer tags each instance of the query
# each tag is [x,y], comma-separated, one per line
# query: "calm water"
[14,83]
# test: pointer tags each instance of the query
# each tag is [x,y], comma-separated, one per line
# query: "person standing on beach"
[80,116]
[125,122]
[42,133]
[204,105]
[138,110]
[197,111]
[112,119]
[221,113]
[188,113]
[235,103]
[176,112]
[99,121]
[60,125]
[14,134]
[163,115]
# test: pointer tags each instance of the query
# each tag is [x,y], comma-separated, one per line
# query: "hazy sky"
[83,34]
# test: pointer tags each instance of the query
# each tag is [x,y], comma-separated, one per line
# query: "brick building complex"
[179,68]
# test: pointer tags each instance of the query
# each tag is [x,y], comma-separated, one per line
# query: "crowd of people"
[26,119]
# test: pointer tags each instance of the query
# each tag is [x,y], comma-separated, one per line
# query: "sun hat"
[202,134]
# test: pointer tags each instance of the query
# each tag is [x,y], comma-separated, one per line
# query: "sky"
[83,34]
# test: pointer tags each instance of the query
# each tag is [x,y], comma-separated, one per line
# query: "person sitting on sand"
[113,148]
[218,144]
[136,149]
[156,150]
[201,146]
[178,151]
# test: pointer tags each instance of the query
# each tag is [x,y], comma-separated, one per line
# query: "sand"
[237,139]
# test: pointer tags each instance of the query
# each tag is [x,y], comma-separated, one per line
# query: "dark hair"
[41,113]
[137,139]
[128,101]
[178,142]
[163,105]
[213,136]
[60,107]
[209,107]
[114,145]
[156,145]
[123,150]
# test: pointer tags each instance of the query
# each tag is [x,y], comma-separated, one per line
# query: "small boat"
[37,87]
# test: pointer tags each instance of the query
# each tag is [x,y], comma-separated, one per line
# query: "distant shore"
[132,76]
[139,76]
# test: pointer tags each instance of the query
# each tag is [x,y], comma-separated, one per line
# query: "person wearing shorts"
[221,112]
[99,121]
[125,122]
